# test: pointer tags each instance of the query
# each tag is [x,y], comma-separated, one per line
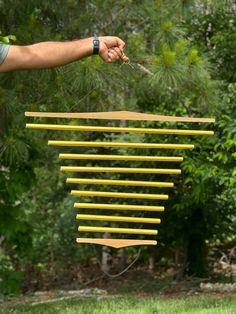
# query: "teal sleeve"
[3,52]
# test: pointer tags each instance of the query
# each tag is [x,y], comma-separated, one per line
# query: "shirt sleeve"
[3,52]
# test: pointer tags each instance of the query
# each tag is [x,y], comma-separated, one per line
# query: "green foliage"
[10,279]
[7,39]
[191,72]
[214,29]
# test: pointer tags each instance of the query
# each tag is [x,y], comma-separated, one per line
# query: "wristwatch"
[96,44]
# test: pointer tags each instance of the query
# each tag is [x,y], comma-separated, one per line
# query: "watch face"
[96,42]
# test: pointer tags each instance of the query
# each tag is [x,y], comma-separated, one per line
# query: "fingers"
[112,49]
[115,54]
[118,51]
[124,58]
[120,44]
[120,48]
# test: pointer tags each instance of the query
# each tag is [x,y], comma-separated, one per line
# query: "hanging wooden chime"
[111,205]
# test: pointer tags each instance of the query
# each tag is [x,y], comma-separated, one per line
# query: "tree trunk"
[196,247]
[122,259]
[151,263]
[180,258]
[106,255]
[196,256]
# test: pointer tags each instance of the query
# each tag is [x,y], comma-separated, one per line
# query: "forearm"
[46,54]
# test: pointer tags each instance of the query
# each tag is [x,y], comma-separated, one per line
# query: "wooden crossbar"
[120,182]
[118,218]
[118,115]
[82,128]
[120,157]
[117,230]
[119,144]
[119,195]
[116,243]
[120,170]
[119,207]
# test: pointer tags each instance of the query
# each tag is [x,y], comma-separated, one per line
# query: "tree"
[174,63]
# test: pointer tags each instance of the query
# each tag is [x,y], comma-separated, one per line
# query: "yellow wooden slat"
[119,207]
[82,128]
[120,170]
[118,218]
[119,195]
[117,230]
[121,157]
[120,182]
[120,144]
[116,243]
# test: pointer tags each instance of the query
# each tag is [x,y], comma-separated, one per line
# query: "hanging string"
[106,274]
[121,272]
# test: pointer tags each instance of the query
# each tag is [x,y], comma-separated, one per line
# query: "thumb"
[120,44]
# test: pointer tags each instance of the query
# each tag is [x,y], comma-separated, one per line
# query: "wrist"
[96,45]
[89,45]
[84,47]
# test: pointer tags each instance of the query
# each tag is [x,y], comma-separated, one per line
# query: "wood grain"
[118,115]
[116,243]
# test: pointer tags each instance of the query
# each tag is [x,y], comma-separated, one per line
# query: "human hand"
[112,49]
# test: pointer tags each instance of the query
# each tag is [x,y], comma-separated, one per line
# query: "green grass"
[200,304]
[150,286]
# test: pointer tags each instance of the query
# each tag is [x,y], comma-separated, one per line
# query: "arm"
[52,54]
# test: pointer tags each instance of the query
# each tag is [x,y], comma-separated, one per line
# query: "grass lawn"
[199,304]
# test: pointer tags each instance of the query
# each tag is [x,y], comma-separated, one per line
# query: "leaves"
[7,39]
[186,53]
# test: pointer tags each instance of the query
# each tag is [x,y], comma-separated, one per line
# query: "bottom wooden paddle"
[116,243]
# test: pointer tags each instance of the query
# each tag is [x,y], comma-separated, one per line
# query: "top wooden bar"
[117,115]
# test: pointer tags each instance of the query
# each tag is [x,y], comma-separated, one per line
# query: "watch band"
[96,45]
